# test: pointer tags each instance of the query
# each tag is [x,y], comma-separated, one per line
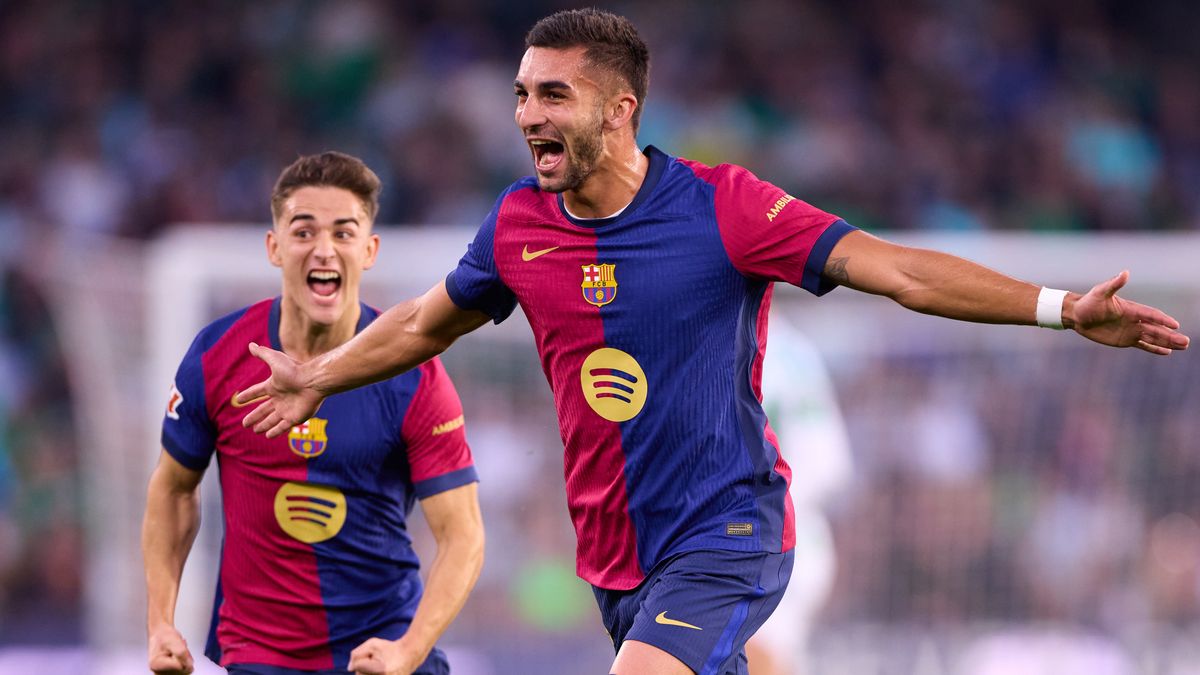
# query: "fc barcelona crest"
[599,284]
[308,439]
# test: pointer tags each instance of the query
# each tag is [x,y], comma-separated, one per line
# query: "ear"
[372,251]
[273,253]
[618,110]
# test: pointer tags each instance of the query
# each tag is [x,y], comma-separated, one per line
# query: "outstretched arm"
[945,285]
[168,530]
[401,338]
[457,526]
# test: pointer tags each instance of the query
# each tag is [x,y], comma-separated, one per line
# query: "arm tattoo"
[835,270]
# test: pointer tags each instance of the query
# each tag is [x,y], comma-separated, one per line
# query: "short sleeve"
[475,283]
[434,433]
[769,234]
[188,433]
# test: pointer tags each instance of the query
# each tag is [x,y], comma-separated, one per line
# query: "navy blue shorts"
[700,606]
[434,665]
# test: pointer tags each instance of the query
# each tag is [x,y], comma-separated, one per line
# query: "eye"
[344,235]
[303,233]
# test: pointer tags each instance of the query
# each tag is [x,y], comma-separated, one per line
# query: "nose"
[323,248]
[529,114]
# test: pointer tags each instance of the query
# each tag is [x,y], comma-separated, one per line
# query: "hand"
[168,653]
[1102,317]
[384,657]
[288,401]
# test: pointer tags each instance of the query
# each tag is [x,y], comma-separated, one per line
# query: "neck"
[302,338]
[612,184]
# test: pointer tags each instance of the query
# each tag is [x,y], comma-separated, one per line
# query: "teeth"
[325,276]
[539,142]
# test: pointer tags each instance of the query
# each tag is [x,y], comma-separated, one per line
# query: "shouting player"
[646,279]
[317,569]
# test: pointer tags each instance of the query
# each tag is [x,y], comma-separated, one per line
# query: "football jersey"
[316,555]
[651,327]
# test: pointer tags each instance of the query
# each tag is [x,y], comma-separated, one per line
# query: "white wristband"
[1049,308]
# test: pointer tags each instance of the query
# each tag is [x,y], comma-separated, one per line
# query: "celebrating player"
[646,279]
[317,569]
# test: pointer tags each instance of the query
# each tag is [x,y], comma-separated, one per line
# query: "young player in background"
[800,401]
[646,279]
[317,568]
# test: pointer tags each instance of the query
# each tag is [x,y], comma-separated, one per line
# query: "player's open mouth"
[324,283]
[546,154]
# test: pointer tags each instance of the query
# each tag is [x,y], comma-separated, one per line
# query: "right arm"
[402,338]
[168,529]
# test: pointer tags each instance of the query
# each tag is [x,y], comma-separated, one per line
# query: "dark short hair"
[328,169]
[612,44]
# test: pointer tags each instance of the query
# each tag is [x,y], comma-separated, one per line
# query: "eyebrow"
[308,216]
[544,86]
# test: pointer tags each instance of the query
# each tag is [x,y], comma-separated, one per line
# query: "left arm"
[941,284]
[457,527]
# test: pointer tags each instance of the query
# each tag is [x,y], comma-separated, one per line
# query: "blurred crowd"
[121,117]
[1054,485]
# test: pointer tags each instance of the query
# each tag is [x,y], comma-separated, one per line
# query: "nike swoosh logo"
[233,400]
[662,618]
[528,255]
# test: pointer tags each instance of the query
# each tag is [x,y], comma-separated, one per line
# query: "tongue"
[548,159]
[325,288]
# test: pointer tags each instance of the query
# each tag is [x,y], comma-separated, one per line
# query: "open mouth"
[546,154]
[324,283]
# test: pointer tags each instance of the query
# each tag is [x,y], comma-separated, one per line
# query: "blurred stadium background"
[1021,497]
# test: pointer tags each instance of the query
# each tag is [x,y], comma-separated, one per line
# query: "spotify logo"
[613,384]
[310,513]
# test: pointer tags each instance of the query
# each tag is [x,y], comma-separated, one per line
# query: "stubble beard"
[581,159]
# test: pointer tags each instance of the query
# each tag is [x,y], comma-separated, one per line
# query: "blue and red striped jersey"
[651,327]
[316,555]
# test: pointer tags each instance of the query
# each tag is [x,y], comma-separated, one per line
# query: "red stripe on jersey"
[282,623]
[767,233]
[434,429]
[781,467]
[567,329]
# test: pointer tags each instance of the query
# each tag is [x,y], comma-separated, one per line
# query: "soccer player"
[317,569]
[646,279]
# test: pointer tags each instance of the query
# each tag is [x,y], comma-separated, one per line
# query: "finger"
[281,427]
[165,662]
[1163,337]
[267,421]
[248,395]
[270,356]
[1115,284]
[1150,315]
[368,666]
[364,650]
[256,417]
[1153,349]
[186,659]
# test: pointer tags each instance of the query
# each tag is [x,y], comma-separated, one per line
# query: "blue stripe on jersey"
[814,268]
[674,502]
[476,284]
[752,421]
[183,441]
[445,482]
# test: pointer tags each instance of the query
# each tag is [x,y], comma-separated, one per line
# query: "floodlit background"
[1022,501]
